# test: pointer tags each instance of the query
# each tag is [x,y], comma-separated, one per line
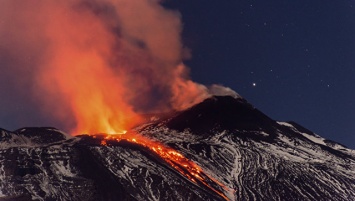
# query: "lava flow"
[184,166]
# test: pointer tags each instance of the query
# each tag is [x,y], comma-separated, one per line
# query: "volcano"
[220,149]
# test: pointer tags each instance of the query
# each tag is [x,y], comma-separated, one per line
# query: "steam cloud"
[92,64]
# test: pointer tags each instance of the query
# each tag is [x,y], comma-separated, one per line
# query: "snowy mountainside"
[81,168]
[257,157]
[245,154]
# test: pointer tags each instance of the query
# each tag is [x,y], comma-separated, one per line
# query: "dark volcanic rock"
[252,156]
[221,113]
[42,135]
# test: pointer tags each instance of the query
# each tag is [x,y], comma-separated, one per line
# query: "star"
[254,84]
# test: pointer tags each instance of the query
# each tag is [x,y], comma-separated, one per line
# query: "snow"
[285,124]
[62,169]
[263,133]
[17,141]
[2,178]
[316,139]
[239,164]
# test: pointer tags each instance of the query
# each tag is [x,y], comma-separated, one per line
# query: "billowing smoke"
[93,64]
[219,90]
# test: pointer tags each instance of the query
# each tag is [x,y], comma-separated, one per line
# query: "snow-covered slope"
[256,157]
[246,155]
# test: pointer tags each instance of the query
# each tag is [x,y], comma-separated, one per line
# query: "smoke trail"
[95,64]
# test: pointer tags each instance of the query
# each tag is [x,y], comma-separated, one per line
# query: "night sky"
[293,60]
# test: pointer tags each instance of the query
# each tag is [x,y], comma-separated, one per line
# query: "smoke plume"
[92,65]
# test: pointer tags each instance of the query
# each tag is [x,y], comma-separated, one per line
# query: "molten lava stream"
[184,166]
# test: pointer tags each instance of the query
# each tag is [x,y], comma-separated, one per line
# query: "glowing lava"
[184,166]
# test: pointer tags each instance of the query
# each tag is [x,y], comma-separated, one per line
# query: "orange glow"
[98,64]
[81,78]
[184,166]
[103,142]
[186,93]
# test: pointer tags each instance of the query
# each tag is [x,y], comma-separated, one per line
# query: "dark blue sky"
[293,60]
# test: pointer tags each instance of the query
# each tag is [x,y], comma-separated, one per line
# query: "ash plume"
[92,65]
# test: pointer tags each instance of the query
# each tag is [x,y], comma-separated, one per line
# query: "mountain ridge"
[243,155]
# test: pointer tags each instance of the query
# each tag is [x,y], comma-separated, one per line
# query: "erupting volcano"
[112,74]
[103,65]
[220,149]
